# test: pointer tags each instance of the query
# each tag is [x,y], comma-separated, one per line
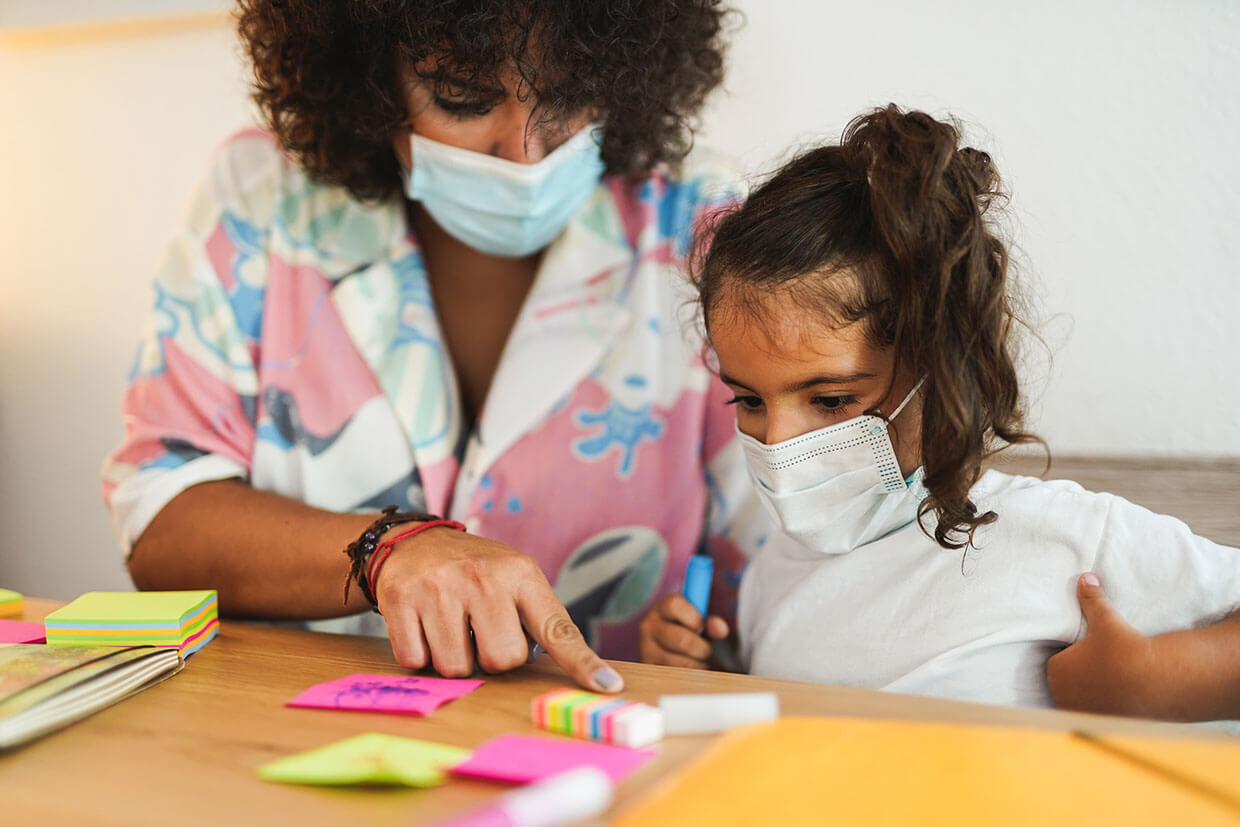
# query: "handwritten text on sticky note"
[402,694]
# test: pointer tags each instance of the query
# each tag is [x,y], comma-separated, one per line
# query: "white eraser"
[636,725]
[695,714]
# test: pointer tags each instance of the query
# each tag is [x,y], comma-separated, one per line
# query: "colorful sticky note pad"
[184,620]
[16,631]
[403,694]
[523,759]
[373,758]
[10,603]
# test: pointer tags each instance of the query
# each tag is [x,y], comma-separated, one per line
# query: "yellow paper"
[1210,765]
[10,603]
[372,758]
[838,771]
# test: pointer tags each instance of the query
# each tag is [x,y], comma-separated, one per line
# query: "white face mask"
[501,207]
[836,488]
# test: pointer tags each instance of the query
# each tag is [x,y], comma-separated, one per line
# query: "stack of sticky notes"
[184,620]
[599,717]
[10,603]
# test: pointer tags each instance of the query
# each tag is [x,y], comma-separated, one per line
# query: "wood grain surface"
[186,751]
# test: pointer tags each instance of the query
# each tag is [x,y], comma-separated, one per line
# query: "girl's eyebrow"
[728,380]
[842,379]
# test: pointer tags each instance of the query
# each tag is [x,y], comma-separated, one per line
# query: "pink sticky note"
[523,758]
[17,631]
[405,694]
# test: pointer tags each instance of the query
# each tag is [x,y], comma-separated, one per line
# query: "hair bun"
[978,164]
[925,190]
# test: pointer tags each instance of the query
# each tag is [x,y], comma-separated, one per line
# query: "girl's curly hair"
[328,73]
[893,227]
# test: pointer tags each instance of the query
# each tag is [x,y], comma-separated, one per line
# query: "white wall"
[102,142]
[1114,123]
[1110,120]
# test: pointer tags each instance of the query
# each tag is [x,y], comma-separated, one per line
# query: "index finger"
[677,609]
[547,621]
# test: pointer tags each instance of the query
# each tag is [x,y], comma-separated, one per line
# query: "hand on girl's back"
[1111,669]
[671,634]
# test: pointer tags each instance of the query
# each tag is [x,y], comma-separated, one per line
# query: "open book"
[43,688]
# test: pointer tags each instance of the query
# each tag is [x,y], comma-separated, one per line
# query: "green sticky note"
[372,758]
[168,608]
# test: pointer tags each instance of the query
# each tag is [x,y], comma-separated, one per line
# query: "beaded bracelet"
[384,548]
[363,548]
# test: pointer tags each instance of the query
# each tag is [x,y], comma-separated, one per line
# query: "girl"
[860,311]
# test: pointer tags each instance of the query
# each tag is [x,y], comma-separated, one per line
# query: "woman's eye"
[463,108]
[749,403]
[834,404]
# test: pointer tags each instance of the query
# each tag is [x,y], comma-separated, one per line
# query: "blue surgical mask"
[501,207]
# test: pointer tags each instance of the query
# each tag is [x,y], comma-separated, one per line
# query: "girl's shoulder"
[1065,509]
[1025,504]
[995,483]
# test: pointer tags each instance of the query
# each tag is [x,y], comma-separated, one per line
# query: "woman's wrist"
[361,552]
[388,543]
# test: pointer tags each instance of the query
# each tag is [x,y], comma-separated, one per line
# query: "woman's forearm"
[267,555]
[1197,677]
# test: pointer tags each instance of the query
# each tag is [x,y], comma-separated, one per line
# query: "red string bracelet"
[385,548]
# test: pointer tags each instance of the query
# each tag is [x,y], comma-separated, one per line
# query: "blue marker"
[697,582]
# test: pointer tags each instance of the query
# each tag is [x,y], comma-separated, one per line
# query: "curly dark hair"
[895,226]
[328,72]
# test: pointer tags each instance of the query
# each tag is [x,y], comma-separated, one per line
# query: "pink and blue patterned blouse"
[294,344]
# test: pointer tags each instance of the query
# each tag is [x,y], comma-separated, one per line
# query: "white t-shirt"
[903,614]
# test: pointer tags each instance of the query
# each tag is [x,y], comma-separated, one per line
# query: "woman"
[447,280]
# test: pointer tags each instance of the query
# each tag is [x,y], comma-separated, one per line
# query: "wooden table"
[186,751]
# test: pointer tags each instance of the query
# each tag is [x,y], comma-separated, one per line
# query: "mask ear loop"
[907,399]
[896,413]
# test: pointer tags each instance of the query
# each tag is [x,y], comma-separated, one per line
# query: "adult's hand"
[439,585]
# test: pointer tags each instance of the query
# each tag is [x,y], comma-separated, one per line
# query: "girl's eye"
[834,404]
[463,108]
[748,403]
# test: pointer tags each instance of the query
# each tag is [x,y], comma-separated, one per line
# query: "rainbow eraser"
[597,717]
